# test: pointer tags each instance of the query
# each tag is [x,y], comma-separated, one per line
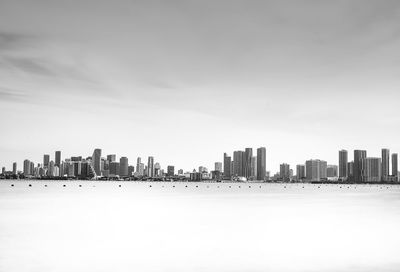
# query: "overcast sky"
[185,81]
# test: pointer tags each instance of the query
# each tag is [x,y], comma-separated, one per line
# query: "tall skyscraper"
[261,163]
[248,154]
[15,168]
[150,167]
[395,171]
[96,161]
[123,166]
[157,169]
[112,158]
[350,170]
[57,157]
[227,166]
[254,167]
[385,164]
[218,166]
[332,171]
[170,170]
[343,159]
[372,168]
[46,160]
[316,170]
[138,162]
[114,169]
[27,167]
[300,172]
[359,155]
[284,172]
[238,163]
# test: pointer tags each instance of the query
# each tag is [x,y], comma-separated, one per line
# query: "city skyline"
[184,80]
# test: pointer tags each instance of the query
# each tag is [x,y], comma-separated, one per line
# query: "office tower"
[343,157]
[218,166]
[3,170]
[50,171]
[114,168]
[27,167]
[238,163]
[150,167]
[131,170]
[395,171]
[123,166]
[138,162]
[227,166]
[316,170]
[284,172]
[157,169]
[46,160]
[141,169]
[85,170]
[359,155]
[261,163]
[170,170]
[372,169]
[350,170]
[332,171]
[111,158]
[15,171]
[385,164]
[57,159]
[248,154]
[300,172]
[96,161]
[76,158]
[254,166]
[232,167]
[203,169]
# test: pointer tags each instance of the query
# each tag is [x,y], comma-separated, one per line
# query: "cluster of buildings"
[243,165]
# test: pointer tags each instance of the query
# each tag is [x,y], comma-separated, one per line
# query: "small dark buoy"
[240,187]
[64,185]
[230,187]
[285,187]
[45,185]
[173,186]
[120,185]
[30,185]
[12,185]
[249,186]
[149,186]
[208,186]
[260,186]
[80,185]
[197,186]
[186,186]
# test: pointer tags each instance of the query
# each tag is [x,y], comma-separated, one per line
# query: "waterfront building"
[385,164]
[332,171]
[316,170]
[27,167]
[261,163]
[111,158]
[395,171]
[284,173]
[238,163]
[343,160]
[218,166]
[15,171]
[131,170]
[359,155]
[227,166]
[170,170]
[150,167]
[157,169]
[96,161]
[372,169]
[57,157]
[123,166]
[114,169]
[300,172]
[138,162]
[254,167]
[248,154]
[46,160]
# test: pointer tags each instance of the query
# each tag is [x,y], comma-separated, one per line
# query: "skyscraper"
[96,161]
[343,157]
[300,172]
[395,171]
[27,167]
[57,161]
[350,170]
[111,158]
[261,163]
[46,160]
[254,167]
[332,171]
[123,166]
[385,164]
[218,166]
[138,162]
[170,170]
[248,154]
[238,163]
[316,170]
[150,167]
[15,168]
[359,155]
[372,168]
[284,172]
[114,169]
[227,166]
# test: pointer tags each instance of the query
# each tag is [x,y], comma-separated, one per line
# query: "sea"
[65,226]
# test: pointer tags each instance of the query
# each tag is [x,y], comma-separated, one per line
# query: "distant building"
[57,157]
[96,161]
[157,170]
[332,171]
[180,172]
[171,170]
[3,170]
[15,171]
[284,173]
[359,155]
[261,163]
[343,160]
[254,167]
[123,167]
[131,170]
[27,168]
[114,169]
[300,172]
[247,155]
[395,170]
[385,164]
[316,170]
[111,158]
[227,166]
[372,168]
[350,170]
[203,169]
[139,169]
[238,163]
[218,166]
[150,167]
[46,160]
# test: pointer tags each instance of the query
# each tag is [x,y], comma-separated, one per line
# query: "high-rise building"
[238,163]
[96,161]
[385,164]
[157,169]
[372,169]
[248,154]
[343,159]
[170,170]
[138,162]
[284,172]
[27,167]
[218,166]
[150,167]
[300,172]
[51,170]
[131,170]
[114,169]
[332,171]
[15,171]
[395,171]
[111,158]
[123,166]
[3,170]
[261,163]
[46,160]
[254,167]
[227,166]
[350,170]
[57,157]
[359,155]
[316,170]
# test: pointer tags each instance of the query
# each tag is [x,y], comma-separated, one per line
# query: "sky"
[186,81]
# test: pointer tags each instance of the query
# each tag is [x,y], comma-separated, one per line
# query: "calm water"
[202,227]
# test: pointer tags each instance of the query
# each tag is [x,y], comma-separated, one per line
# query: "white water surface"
[156,226]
